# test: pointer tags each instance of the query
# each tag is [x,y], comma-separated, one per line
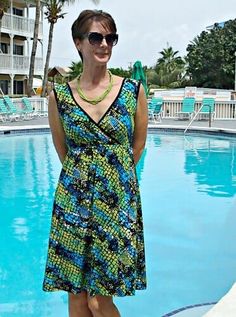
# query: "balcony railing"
[20,25]
[19,64]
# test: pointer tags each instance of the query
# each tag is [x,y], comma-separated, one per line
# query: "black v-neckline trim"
[105,113]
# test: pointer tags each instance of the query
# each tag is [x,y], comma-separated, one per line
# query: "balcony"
[21,26]
[19,65]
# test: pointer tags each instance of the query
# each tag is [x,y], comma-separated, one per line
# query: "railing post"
[191,121]
[209,116]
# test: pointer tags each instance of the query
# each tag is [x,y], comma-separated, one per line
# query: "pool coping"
[193,129]
[181,312]
[6,130]
[10,130]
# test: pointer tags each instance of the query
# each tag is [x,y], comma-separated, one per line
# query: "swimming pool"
[188,187]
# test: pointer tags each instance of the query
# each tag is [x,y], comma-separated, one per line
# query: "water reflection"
[140,165]
[20,228]
[29,170]
[213,162]
[53,306]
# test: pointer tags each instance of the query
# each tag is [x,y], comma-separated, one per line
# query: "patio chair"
[14,111]
[187,109]
[155,111]
[3,111]
[30,110]
[208,106]
[6,114]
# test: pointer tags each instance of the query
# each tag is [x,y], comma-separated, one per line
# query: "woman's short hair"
[84,21]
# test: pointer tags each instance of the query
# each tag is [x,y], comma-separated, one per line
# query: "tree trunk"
[45,77]
[34,49]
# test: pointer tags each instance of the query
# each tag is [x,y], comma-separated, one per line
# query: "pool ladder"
[194,117]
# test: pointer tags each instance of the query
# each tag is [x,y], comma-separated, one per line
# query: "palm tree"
[53,13]
[76,69]
[167,55]
[34,47]
[4,5]
[170,68]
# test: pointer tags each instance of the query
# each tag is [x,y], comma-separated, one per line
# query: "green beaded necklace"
[95,101]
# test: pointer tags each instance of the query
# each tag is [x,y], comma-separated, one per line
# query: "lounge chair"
[208,106]
[13,109]
[187,109]
[155,111]
[6,114]
[3,111]
[30,110]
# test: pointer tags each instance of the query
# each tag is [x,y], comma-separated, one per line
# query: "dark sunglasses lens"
[95,38]
[112,39]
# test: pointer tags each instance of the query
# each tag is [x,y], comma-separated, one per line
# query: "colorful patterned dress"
[96,239]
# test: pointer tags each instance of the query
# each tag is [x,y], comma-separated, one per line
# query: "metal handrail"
[196,116]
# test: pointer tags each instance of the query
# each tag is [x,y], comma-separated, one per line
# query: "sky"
[145,28]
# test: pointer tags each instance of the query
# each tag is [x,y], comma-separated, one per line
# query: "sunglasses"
[96,38]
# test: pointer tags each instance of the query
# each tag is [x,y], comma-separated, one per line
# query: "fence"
[223,110]
[38,103]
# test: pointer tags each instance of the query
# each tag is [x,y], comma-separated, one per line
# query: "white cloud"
[144,27]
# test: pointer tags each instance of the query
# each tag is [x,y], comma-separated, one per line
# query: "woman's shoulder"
[61,91]
[117,79]
[132,85]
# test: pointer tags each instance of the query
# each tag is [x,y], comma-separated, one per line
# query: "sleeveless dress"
[96,239]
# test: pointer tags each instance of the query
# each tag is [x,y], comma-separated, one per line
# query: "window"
[18,87]
[18,49]
[4,86]
[17,11]
[4,48]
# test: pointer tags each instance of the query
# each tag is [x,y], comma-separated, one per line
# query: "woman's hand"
[140,128]
[58,134]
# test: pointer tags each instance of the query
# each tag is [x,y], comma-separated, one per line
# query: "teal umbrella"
[139,74]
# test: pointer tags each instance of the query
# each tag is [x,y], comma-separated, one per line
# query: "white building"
[15,47]
[196,92]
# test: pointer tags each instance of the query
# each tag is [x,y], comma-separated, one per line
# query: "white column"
[28,47]
[28,20]
[11,15]
[12,83]
[234,71]
[12,75]
[41,20]
[11,50]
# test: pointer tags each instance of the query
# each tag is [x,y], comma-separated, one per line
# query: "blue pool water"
[188,187]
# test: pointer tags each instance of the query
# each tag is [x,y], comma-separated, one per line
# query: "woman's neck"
[94,75]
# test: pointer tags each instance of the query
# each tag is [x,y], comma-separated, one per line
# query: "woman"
[99,124]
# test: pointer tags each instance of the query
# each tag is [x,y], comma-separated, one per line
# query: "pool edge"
[14,130]
[186,308]
[8,130]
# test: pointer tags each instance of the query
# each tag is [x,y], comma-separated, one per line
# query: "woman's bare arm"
[58,134]
[141,122]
